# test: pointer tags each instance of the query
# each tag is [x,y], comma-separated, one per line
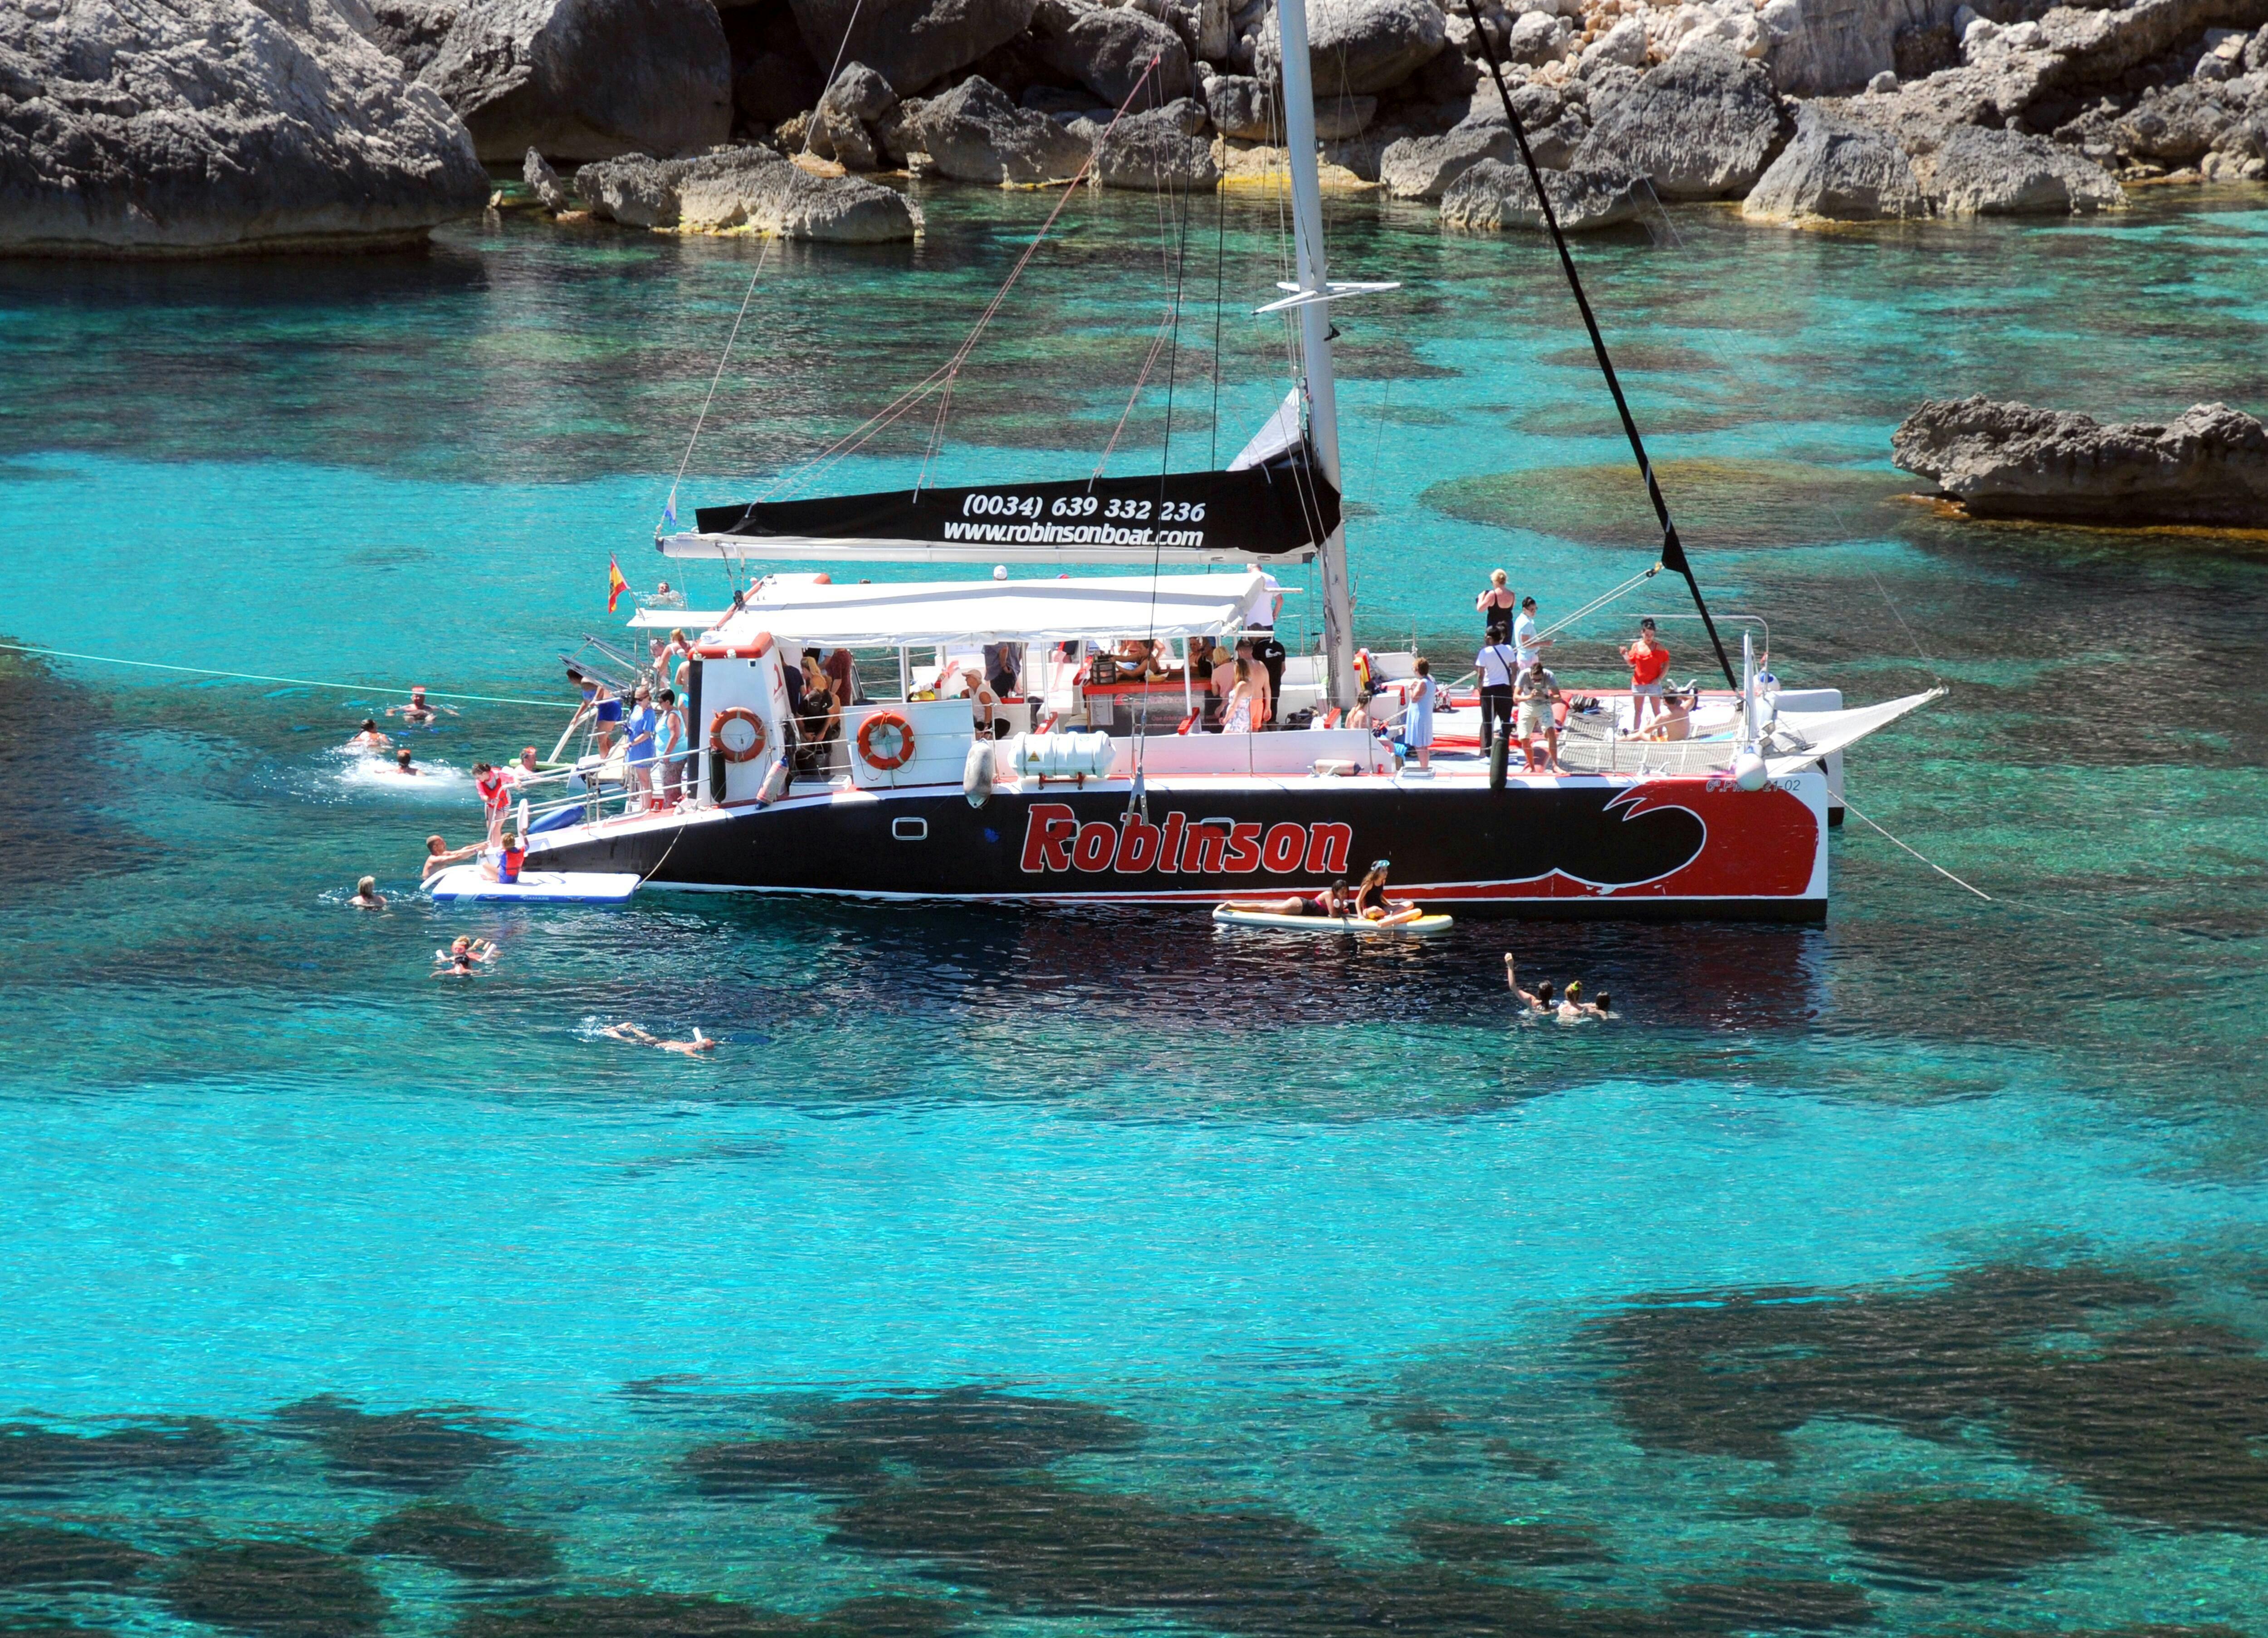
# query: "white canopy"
[919,612]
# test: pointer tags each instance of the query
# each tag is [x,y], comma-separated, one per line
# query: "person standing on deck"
[1497,665]
[637,750]
[672,745]
[1417,716]
[1647,659]
[496,798]
[1537,691]
[1496,605]
[1525,643]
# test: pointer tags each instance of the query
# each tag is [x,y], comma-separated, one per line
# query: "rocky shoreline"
[200,126]
[2208,466]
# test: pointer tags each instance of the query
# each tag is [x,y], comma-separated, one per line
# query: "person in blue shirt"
[638,745]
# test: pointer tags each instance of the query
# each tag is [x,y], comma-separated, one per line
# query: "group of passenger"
[1521,696]
[1567,1006]
[1366,901]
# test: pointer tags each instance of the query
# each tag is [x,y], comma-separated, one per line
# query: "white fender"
[977,774]
[1749,772]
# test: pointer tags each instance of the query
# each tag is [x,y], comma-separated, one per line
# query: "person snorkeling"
[630,1032]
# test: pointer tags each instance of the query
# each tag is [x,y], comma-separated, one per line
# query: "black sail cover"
[1276,508]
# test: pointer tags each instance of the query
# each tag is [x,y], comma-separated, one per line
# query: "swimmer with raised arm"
[1528,999]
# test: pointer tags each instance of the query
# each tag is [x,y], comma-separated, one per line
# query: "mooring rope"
[254,677]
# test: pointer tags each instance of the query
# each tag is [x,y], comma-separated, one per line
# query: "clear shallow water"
[1380,1307]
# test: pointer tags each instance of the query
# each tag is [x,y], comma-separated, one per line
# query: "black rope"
[1220,270]
[1673,550]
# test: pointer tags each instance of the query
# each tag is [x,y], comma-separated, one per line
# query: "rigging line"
[1219,273]
[722,358]
[1673,550]
[1908,629]
[1932,863]
[830,85]
[254,677]
[977,331]
[1601,602]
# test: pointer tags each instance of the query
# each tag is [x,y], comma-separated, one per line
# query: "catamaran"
[1064,776]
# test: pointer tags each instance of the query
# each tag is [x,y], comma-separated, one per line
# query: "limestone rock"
[411,31]
[1109,51]
[1624,44]
[2005,173]
[632,189]
[1555,128]
[911,43]
[755,189]
[975,134]
[2174,124]
[1242,106]
[2208,466]
[211,127]
[1494,195]
[1539,37]
[1702,126]
[544,183]
[1836,170]
[1358,47]
[858,98]
[1423,168]
[1159,149]
[587,79]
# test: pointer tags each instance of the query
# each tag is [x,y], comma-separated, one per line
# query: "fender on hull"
[1574,849]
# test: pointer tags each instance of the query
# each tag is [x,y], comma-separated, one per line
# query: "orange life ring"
[723,746]
[885,762]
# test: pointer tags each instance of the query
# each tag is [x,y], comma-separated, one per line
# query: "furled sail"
[1277,510]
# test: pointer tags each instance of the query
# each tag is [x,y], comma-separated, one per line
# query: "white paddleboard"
[536,887]
[1421,927]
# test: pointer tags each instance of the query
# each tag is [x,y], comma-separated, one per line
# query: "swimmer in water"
[630,1032]
[468,949]
[459,967]
[1530,999]
[1603,1007]
[369,738]
[419,711]
[440,854]
[404,766]
[366,896]
[1572,1009]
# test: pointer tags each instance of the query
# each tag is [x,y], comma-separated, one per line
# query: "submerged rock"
[1492,195]
[587,79]
[275,1587]
[411,1450]
[1959,1538]
[911,43]
[38,1555]
[212,127]
[2207,466]
[452,1537]
[1704,125]
[32,1455]
[1159,149]
[975,134]
[2005,173]
[1836,170]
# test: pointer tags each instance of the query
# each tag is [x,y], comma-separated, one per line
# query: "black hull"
[1583,848]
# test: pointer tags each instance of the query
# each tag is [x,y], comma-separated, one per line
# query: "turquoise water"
[1060,1273]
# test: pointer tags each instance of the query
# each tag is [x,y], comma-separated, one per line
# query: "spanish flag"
[616,585]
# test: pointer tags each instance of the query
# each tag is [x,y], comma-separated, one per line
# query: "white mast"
[1316,335]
